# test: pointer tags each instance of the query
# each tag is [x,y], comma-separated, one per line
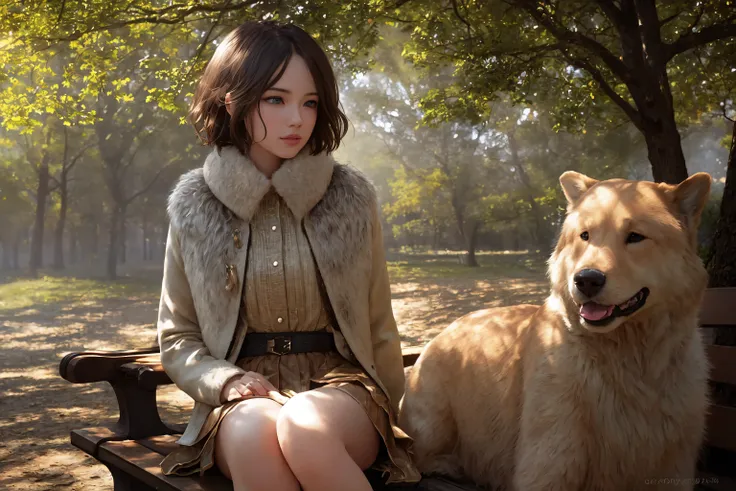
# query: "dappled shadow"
[38,408]
[424,309]
[430,291]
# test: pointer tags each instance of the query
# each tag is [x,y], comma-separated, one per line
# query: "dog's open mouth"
[600,315]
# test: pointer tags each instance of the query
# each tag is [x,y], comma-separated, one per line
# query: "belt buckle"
[280,345]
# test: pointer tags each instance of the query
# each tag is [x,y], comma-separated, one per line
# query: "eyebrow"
[287,91]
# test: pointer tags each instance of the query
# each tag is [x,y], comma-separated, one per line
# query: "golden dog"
[604,387]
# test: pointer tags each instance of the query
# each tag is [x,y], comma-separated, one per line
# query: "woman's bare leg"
[247,449]
[328,440]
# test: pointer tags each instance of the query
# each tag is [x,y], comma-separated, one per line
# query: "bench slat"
[717,308]
[87,439]
[161,444]
[144,464]
[722,360]
[721,427]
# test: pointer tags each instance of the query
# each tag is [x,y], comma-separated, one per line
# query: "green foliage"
[572,53]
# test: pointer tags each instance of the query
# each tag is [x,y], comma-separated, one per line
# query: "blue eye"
[311,104]
[274,100]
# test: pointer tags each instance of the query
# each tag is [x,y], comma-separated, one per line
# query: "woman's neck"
[264,161]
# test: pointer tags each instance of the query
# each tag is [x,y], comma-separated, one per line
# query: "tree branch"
[630,111]
[707,35]
[78,156]
[612,12]
[459,16]
[150,184]
[669,19]
[576,39]
[156,17]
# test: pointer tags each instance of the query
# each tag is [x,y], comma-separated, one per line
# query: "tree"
[71,156]
[628,53]
[15,212]
[721,264]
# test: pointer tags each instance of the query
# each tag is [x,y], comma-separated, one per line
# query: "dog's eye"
[584,236]
[634,237]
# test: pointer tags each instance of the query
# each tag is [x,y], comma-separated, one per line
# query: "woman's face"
[288,113]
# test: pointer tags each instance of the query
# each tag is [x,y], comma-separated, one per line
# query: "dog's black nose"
[589,281]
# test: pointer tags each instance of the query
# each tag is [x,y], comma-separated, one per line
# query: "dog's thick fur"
[536,398]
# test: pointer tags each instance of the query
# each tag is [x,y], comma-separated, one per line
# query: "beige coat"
[206,254]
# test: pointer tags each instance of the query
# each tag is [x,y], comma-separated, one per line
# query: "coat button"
[273,228]
[275,263]
[280,320]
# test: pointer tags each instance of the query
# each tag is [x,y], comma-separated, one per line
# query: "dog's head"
[628,247]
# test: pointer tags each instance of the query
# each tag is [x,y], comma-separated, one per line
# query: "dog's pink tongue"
[595,312]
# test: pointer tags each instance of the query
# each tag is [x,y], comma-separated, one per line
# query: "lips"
[599,315]
[292,139]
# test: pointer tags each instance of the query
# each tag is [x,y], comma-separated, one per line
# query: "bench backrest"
[719,311]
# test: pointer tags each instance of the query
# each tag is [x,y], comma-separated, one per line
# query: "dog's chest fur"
[632,407]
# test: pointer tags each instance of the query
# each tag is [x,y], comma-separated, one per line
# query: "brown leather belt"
[286,343]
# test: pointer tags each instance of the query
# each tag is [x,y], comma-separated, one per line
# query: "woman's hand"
[248,385]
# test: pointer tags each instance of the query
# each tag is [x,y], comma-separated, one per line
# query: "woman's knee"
[247,434]
[315,424]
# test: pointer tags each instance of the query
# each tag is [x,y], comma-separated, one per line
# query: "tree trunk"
[144,235]
[472,244]
[16,250]
[59,232]
[6,255]
[644,56]
[723,249]
[123,236]
[42,191]
[73,244]
[665,154]
[95,236]
[112,251]
[539,235]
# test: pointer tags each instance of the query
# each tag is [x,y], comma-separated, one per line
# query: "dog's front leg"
[550,461]
[679,473]
[551,451]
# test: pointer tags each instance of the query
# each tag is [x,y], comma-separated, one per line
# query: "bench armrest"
[134,376]
[108,366]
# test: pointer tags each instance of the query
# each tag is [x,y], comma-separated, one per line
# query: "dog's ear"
[690,197]
[574,185]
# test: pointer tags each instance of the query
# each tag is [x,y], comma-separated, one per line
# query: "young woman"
[275,312]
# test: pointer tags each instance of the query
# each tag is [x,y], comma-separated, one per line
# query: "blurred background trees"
[464,114]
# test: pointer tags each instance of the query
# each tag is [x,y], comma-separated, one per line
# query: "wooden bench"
[133,447]
[717,463]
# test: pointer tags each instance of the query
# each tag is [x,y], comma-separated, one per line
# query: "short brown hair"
[250,60]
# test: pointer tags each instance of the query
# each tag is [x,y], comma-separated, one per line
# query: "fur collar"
[240,186]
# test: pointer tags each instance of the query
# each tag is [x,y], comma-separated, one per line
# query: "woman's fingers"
[250,384]
[263,380]
[257,388]
[234,393]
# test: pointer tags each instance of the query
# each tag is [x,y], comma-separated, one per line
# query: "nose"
[296,117]
[589,281]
